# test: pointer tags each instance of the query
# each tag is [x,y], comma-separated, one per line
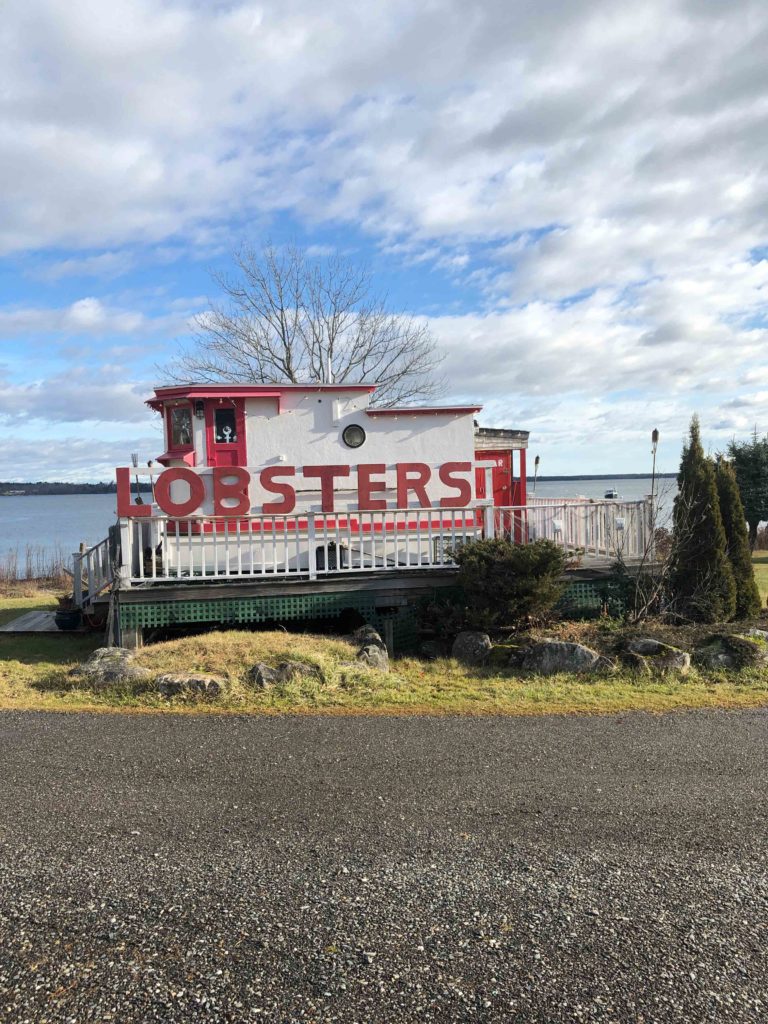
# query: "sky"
[572,195]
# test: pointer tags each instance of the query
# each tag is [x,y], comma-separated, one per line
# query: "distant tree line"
[59,487]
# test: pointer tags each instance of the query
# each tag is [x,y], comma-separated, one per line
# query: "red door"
[506,492]
[501,477]
[225,432]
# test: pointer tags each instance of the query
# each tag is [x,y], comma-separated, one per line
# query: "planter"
[68,619]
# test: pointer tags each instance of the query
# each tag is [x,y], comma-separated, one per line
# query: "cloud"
[592,173]
[103,265]
[90,316]
[76,397]
[75,459]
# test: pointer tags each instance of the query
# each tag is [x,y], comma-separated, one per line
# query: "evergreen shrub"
[508,583]
[737,541]
[701,579]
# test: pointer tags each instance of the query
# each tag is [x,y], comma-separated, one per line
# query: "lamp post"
[536,462]
[654,446]
[135,463]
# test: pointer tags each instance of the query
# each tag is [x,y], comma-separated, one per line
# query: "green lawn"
[760,559]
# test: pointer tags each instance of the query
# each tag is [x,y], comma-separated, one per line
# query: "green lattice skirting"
[586,598]
[241,611]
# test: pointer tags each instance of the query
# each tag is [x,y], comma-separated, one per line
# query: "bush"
[508,583]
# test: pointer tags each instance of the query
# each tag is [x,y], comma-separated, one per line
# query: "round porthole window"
[353,436]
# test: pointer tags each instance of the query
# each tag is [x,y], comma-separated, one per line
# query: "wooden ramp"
[34,622]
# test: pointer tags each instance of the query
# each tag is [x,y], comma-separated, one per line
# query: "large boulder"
[658,656]
[725,651]
[264,676]
[550,657]
[472,647]
[111,666]
[189,684]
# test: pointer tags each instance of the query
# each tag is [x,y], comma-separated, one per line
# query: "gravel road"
[555,869]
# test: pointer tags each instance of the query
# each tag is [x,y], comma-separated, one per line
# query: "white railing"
[313,544]
[309,545]
[92,572]
[603,529]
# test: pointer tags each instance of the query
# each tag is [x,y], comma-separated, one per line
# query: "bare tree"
[289,318]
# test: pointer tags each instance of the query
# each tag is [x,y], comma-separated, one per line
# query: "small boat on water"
[612,494]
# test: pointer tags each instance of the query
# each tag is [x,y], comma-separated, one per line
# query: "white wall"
[308,431]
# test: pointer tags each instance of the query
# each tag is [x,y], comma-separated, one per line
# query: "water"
[629,488]
[54,522]
[59,522]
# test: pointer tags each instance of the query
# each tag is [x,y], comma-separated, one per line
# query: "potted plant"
[68,615]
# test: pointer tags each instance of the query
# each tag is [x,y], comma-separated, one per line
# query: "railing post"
[311,540]
[489,526]
[89,573]
[77,579]
[125,570]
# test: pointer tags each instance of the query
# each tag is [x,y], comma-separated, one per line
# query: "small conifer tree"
[701,579]
[737,541]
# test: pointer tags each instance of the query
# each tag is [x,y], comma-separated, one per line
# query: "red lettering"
[286,491]
[238,490]
[125,506]
[179,509]
[448,477]
[366,486]
[326,475]
[416,483]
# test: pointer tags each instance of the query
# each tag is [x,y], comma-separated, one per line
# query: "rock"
[431,650]
[366,635]
[713,657]
[660,657]
[471,647]
[637,663]
[726,651]
[188,684]
[264,676]
[374,656]
[758,634]
[548,657]
[605,664]
[648,647]
[111,666]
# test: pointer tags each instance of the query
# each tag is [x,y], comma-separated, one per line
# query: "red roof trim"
[434,410]
[181,391]
[256,390]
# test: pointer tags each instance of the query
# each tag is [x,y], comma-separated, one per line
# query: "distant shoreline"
[51,487]
[606,476]
[10,489]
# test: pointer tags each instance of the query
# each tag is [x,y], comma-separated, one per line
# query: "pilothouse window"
[225,426]
[181,426]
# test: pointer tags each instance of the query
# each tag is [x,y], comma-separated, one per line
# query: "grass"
[760,562]
[34,675]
